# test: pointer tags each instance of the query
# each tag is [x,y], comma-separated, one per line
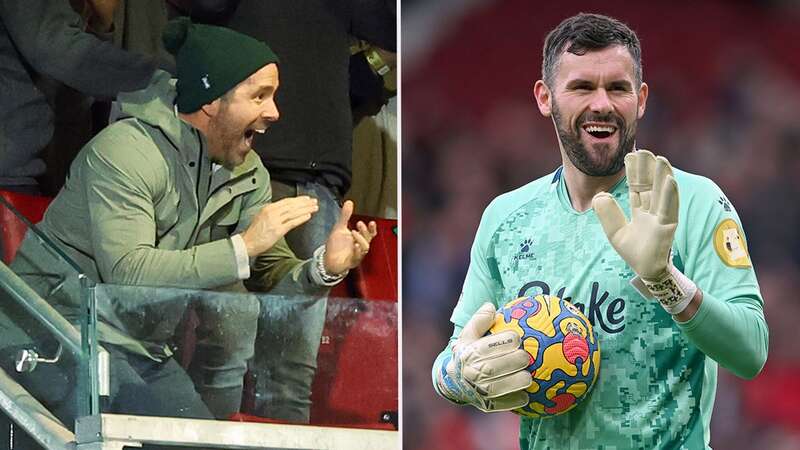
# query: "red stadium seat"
[356,383]
[376,277]
[12,229]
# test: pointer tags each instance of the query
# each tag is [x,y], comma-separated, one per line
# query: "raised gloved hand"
[645,242]
[487,372]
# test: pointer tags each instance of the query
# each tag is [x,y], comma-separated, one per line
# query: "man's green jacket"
[142,206]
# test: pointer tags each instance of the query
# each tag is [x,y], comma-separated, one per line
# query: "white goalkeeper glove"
[645,243]
[487,372]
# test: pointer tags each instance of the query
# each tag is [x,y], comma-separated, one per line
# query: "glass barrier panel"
[45,359]
[230,355]
[237,355]
[44,371]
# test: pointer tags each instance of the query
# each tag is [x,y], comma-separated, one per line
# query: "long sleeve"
[481,284]
[733,333]
[122,181]
[48,35]
[729,326]
[278,271]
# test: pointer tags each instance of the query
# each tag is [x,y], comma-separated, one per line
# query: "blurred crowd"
[724,101]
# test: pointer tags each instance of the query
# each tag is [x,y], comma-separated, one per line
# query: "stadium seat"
[12,229]
[356,383]
[376,277]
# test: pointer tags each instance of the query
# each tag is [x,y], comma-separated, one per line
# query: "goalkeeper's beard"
[579,155]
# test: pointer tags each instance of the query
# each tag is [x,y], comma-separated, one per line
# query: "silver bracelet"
[319,261]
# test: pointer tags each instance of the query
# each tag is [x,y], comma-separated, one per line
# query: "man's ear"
[211,109]
[543,98]
[642,96]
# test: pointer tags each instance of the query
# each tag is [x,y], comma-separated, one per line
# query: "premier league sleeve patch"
[730,245]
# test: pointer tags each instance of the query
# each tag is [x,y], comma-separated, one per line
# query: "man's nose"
[601,102]
[270,111]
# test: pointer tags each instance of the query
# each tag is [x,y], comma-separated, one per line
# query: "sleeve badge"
[730,245]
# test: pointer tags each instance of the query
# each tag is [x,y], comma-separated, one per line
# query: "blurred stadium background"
[724,102]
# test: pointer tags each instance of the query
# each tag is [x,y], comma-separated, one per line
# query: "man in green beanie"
[172,195]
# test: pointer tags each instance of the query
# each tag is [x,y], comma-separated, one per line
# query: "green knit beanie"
[211,60]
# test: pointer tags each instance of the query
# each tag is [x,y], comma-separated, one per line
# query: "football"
[563,349]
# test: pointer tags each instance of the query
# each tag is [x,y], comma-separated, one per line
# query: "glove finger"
[491,346]
[669,205]
[639,166]
[636,201]
[661,171]
[506,402]
[478,325]
[645,200]
[609,213]
[498,343]
[499,387]
[496,367]
[666,163]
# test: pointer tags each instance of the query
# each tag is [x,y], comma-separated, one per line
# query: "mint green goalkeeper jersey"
[657,378]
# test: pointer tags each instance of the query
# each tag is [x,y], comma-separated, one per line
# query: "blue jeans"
[304,239]
[226,334]
[289,340]
[286,335]
[285,332]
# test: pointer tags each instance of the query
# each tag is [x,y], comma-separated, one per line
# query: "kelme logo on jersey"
[602,309]
[524,250]
[726,205]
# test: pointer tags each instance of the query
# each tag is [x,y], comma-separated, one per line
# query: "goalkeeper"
[656,258]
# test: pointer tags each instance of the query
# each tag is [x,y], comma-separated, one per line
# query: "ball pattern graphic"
[563,349]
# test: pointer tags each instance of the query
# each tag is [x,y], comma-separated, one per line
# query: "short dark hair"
[584,32]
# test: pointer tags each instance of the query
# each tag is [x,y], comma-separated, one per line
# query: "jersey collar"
[559,185]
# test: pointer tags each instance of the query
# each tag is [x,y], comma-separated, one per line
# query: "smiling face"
[246,109]
[595,102]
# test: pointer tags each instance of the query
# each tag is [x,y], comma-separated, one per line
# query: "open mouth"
[250,133]
[599,131]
